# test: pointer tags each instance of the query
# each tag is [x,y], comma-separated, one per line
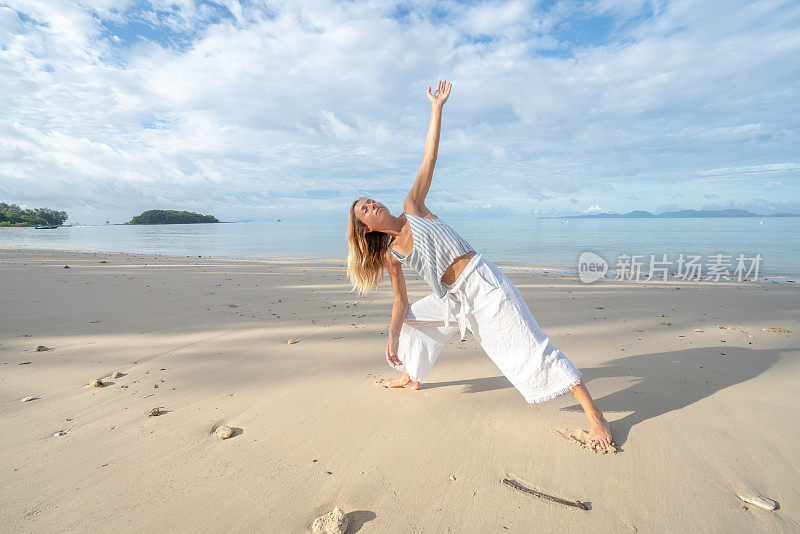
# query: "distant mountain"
[707,213]
[681,214]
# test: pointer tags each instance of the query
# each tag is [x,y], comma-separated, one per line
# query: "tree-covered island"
[171,217]
[13,215]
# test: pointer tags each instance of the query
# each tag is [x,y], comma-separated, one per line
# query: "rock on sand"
[223,432]
[334,522]
[761,502]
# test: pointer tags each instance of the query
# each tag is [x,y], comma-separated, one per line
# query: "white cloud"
[494,18]
[334,127]
[752,169]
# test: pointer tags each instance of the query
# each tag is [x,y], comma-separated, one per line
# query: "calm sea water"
[550,243]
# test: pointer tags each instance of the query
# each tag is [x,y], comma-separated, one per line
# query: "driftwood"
[517,485]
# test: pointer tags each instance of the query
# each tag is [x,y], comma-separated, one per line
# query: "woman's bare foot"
[599,432]
[402,382]
[394,382]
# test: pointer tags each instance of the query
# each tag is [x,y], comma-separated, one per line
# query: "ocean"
[524,242]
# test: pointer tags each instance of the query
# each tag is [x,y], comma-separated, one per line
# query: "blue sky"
[262,109]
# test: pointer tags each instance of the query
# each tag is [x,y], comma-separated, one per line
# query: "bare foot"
[599,433]
[402,382]
[394,382]
[581,437]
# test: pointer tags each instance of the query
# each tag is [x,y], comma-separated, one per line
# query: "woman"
[467,288]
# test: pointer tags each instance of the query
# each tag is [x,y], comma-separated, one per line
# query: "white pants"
[486,302]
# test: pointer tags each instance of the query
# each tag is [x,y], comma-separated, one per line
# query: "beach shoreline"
[508,266]
[700,398]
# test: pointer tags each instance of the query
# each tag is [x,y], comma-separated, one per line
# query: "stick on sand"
[517,485]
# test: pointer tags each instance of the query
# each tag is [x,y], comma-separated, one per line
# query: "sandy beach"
[700,399]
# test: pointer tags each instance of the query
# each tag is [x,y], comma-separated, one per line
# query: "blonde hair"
[365,251]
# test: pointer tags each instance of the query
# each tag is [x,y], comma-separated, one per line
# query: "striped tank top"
[436,245]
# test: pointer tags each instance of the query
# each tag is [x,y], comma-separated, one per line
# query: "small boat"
[46,227]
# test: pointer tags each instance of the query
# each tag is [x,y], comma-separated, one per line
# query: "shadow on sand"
[358,519]
[660,382]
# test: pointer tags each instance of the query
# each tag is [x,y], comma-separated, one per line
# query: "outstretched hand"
[442,93]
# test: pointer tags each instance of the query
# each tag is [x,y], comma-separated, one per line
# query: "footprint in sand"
[581,437]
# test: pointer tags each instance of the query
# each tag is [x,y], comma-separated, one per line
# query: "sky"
[262,110]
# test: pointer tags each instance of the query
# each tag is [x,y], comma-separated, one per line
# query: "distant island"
[682,214]
[171,217]
[13,215]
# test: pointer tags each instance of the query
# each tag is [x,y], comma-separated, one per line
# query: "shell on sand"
[96,383]
[41,348]
[291,341]
[581,437]
[223,432]
[116,374]
[334,522]
[155,412]
[761,502]
[776,329]
[26,399]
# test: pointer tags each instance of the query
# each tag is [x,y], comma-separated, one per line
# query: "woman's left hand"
[442,93]
[391,350]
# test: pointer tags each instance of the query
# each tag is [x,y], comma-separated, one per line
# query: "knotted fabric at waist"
[454,301]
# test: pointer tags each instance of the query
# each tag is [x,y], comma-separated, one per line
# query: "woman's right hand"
[391,349]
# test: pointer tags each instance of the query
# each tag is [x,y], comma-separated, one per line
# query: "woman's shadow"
[663,382]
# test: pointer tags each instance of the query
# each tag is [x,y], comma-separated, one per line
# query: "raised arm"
[423,182]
